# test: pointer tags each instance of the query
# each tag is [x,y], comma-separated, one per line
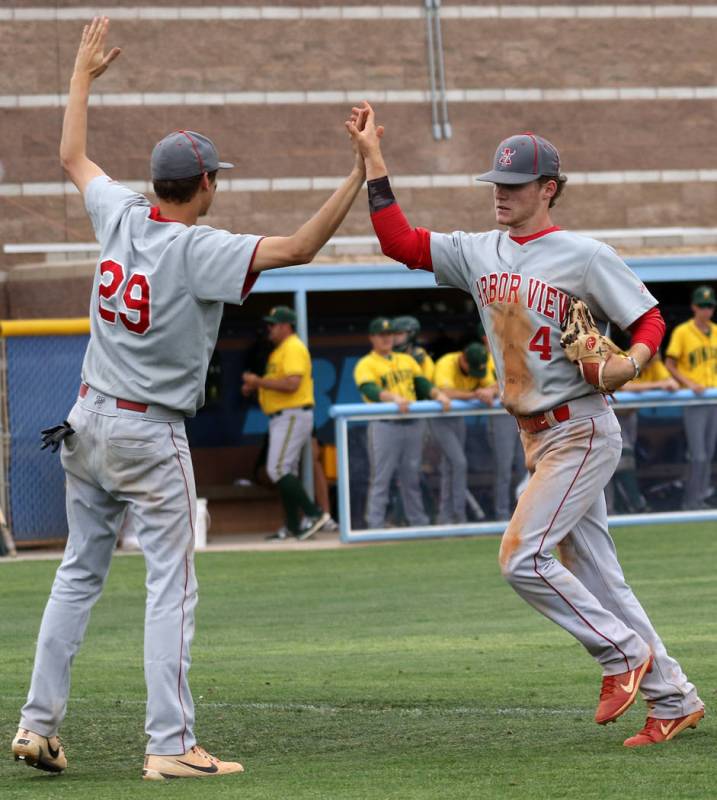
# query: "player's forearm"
[375,165]
[73,144]
[286,384]
[398,240]
[314,233]
[458,394]
[642,353]
[671,367]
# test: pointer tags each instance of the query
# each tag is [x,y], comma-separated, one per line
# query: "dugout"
[334,304]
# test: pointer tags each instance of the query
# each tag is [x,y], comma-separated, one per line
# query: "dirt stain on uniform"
[512,328]
[566,554]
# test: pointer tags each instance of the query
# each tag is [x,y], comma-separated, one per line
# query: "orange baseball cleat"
[618,692]
[658,730]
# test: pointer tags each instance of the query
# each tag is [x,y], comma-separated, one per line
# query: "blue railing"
[362,412]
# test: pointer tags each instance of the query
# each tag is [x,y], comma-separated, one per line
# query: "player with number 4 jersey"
[523,281]
[156,305]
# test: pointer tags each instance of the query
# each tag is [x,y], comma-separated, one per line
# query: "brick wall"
[269,141]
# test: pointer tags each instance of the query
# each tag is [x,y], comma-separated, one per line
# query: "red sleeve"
[410,246]
[251,277]
[649,329]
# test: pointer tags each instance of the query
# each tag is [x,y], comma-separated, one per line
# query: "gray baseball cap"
[522,159]
[184,154]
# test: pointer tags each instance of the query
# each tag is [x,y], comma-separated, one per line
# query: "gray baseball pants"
[563,508]
[701,432]
[395,446]
[507,451]
[288,433]
[120,460]
[450,435]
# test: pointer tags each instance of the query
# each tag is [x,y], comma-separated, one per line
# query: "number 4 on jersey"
[540,343]
[135,297]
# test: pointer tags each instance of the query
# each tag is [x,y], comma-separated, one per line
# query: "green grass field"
[397,671]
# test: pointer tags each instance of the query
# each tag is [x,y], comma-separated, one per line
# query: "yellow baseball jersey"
[653,372]
[425,362]
[291,357]
[394,373]
[695,352]
[449,375]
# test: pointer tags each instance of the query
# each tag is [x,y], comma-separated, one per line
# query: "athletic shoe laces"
[609,685]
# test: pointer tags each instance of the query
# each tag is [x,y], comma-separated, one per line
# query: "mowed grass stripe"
[401,671]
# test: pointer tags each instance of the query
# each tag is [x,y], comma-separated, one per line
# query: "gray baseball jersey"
[159,290]
[522,292]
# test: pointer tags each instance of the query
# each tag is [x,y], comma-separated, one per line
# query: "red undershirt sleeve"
[410,246]
[251,277]
[649,329]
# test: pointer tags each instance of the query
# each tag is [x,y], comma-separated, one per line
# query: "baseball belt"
[544,420]
[295,408]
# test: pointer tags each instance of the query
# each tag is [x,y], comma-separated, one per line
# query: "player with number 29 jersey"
[159,287]
[155,310]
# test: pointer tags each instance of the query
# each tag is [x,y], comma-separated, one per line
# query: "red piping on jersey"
[186,583]
[410,246]
[196,150]
[251,277]
[649,329]
[155,213]
[540,547]
[524,239]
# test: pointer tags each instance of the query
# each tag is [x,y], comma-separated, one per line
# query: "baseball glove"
[585,346]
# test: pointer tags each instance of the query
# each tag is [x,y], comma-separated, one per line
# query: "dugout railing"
[663,408]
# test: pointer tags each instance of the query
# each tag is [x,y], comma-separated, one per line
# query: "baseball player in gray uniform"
[522,280]
[157,300]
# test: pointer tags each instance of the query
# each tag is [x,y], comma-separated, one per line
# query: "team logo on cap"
[506,157]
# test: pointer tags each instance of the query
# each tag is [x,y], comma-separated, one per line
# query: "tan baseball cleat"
[618,692]
[195,763]
[658,730]
[41,752]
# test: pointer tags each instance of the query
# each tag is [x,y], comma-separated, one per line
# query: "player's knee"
[276,472]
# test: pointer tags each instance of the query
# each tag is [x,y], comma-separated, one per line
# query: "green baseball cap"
[380,325]
[281,314]
[704,296]
[477,357]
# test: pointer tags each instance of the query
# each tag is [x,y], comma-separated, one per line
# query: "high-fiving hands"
[366,138]
[91,59]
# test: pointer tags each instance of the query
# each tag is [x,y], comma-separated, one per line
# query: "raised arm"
[410,246]
[90,63]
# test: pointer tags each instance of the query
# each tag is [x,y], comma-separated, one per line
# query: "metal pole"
[343,478]
[447,131]
[302,329]
[437,132]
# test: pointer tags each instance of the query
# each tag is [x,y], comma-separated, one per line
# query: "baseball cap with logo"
[477,357]
[184,154]
[522,159]
[281,314]
[704,296]
[380,325]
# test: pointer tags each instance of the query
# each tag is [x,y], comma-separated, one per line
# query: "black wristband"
[380,194]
